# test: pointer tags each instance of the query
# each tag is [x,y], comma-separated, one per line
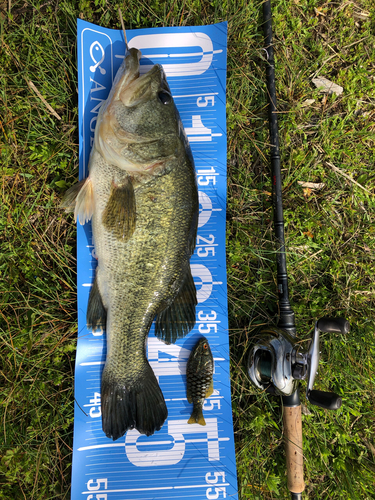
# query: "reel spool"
[277,363]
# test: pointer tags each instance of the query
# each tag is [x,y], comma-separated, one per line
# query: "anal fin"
[178,319]
[96,316]
[119,214]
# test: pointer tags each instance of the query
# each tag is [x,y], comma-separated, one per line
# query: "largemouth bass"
[199,381]
[142,197]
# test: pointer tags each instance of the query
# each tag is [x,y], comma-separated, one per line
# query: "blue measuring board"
[181,460]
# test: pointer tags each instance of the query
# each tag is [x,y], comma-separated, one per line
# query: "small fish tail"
[197,417]
[139,405]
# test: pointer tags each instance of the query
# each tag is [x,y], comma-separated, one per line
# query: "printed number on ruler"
[211,403]
[95,485]
[206,176]
[207,322]
[206,100]
[95,403]
[206,246]
[213,478]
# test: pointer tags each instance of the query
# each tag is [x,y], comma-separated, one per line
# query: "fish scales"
[199,379]
[142,196]
[141,269]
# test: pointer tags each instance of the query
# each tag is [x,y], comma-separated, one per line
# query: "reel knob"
[333,325]
[327,400]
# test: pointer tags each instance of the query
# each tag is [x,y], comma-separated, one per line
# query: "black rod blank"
[286,318]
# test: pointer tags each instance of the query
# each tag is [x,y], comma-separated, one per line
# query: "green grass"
[330,232]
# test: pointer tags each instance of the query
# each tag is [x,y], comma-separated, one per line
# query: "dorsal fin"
[210,389]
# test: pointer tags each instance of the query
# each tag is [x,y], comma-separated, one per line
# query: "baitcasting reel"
[277,363]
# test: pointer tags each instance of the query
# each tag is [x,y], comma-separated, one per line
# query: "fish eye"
[164,97]
[205,346]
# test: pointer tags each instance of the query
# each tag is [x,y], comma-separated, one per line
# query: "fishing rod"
[277,363]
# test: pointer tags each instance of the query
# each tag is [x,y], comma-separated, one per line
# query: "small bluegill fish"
[199,372]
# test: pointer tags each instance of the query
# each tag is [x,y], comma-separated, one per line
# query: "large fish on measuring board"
[142,197]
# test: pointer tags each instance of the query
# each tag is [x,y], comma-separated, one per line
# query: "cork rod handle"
[293,448]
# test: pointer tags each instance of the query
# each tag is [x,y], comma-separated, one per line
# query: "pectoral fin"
[80,198]
[178,319]
[119,214]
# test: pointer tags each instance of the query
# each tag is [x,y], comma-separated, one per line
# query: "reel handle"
[333,325]
[327,400]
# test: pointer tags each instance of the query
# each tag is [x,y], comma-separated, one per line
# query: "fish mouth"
[129,89]
[133,88]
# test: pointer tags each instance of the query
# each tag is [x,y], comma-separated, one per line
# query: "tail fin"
[138,405]
[197,416]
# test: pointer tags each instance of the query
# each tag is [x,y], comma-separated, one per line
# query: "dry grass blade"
[123,26]
[50,109]
[347,176]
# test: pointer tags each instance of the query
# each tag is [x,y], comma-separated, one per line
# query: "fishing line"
[123,28]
